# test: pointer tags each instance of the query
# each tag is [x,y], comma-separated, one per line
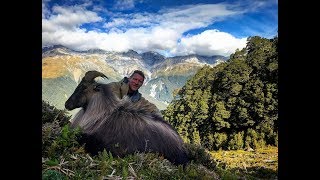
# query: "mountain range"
[63,68]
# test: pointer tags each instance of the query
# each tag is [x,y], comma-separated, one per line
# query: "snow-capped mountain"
[63,68]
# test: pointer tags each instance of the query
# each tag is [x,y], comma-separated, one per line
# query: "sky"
[169,27]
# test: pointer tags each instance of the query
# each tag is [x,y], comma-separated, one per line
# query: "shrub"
[236,141]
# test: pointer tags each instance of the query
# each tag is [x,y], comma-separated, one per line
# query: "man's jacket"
[121,89]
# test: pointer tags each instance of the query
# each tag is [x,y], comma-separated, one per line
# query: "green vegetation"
[233,105]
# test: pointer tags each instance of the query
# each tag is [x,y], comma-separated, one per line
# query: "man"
[130,86]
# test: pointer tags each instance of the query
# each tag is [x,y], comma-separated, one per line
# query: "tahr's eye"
[97,87]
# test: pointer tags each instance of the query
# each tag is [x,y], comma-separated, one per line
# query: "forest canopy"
[233,105]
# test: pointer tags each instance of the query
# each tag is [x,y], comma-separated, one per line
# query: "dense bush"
[51,114]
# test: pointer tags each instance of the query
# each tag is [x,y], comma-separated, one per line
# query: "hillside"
[233,105]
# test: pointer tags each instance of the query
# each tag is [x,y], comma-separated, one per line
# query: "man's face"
[135,82]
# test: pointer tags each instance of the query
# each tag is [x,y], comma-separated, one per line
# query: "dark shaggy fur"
[123,127]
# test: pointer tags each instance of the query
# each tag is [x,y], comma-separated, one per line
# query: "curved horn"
[90,75]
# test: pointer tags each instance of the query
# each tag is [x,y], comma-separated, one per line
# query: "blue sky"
[170,27]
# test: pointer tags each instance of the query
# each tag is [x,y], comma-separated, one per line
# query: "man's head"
[136,80]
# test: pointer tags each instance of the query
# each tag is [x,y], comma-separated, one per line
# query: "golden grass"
[241,162]
[53,67]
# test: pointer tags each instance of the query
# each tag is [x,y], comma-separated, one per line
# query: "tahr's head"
[83,92]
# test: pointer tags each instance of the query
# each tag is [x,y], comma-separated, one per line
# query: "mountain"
[152,58]
[172,73]
[63,68]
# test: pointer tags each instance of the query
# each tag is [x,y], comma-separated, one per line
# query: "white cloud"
[162,32]
[116,22]
[45,10]
[210,42]
[124,4]
[179,19]
[69,18]
[190,17]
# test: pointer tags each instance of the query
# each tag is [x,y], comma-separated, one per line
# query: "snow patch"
[153,90]
[193,60]
[160,88]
